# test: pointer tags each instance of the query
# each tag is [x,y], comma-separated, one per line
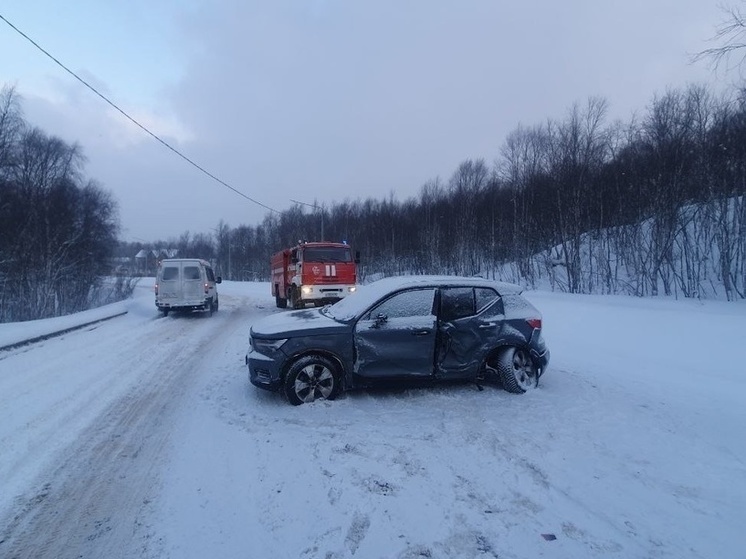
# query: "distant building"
[146,260]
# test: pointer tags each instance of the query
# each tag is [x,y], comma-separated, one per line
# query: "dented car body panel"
[439,328]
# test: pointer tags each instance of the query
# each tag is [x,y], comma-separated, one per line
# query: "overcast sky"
[326,100]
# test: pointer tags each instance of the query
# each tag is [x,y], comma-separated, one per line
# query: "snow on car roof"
[366,295]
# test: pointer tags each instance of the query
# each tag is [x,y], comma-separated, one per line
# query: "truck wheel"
[280,302]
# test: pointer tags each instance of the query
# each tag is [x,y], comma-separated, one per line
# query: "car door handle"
[421,332]
[488,325]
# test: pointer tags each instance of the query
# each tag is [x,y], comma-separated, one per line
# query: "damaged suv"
[412,327]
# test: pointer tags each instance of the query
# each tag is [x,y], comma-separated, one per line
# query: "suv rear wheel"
[516,370]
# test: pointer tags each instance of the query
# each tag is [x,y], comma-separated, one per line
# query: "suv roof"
[368,294]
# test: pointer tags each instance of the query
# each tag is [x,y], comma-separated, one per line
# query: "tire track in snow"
[91,504]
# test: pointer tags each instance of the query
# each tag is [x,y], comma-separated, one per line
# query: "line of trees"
[652,206]
[57,228]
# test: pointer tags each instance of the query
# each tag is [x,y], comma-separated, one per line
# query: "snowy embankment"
[141,437]
[17,333]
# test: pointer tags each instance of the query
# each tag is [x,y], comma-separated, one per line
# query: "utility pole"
[316,208]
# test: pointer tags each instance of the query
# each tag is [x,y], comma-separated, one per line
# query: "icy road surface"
[140,437]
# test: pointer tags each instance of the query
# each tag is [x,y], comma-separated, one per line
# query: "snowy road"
[100,408]
[141,438]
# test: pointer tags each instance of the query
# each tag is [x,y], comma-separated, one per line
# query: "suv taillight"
[534,322]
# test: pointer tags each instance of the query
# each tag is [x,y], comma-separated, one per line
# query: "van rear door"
[191,286]
[169,288]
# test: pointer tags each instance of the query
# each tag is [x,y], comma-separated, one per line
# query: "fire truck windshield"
[327,254]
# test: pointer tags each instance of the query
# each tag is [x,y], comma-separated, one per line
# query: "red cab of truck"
[315,272]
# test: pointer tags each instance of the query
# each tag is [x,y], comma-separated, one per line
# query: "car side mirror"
[381,319]
[357,257]
[219,280]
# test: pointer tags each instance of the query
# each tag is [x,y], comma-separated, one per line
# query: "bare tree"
[731,39]
[11,126]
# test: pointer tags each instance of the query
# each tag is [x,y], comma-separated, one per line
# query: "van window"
[170,273]
[191,272]
[210,274]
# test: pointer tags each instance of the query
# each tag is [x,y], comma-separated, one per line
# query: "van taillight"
[534,322]
[156,289]
[206,288]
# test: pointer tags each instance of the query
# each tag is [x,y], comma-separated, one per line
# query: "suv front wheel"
[311,378]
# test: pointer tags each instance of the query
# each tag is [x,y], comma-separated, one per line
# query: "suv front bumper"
[264,372]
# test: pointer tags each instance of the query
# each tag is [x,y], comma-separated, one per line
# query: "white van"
[186,284]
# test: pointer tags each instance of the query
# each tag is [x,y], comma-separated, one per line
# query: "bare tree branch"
[731,39]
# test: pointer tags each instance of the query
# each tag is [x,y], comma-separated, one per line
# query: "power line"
[135,122]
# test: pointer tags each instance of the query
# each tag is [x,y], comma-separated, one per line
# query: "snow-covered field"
[141,437]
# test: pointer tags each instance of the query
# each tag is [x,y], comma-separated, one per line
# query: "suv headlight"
[267,346]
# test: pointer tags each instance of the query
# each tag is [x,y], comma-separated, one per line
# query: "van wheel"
[209,308]
[215,305]
[165,312]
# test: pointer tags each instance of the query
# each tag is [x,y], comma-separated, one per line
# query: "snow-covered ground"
[141,437]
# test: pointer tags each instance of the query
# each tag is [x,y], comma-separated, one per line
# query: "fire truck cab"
[313,272]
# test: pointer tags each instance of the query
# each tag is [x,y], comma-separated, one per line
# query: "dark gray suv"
[410,327]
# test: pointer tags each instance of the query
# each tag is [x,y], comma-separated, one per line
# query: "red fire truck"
[316,272]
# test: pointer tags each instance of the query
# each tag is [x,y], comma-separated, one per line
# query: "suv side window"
[484,297]
[456,302]
[415,302]
[496,308]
